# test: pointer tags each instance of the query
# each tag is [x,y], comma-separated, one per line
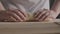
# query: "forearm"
[56,7]
[1,6]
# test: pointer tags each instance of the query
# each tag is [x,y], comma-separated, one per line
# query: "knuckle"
[47,14]
[37,15]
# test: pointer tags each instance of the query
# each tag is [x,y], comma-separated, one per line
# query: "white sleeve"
[7,4]
[46,5]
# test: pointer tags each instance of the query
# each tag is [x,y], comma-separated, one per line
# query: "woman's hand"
[44,15]
[13,16]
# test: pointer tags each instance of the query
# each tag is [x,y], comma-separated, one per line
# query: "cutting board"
[29,27]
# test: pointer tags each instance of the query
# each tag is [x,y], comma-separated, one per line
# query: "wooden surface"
[29,28]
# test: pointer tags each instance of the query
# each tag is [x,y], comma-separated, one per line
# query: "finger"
[5,16]
[37,14]
[9,13]
[19,14]
[10,19]
[15,16]
[45,16]
[23,12]
[41,15]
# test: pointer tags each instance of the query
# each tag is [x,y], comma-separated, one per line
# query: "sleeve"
[46,5]
[7,4]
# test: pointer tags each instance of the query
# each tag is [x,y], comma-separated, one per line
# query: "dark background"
[51,3]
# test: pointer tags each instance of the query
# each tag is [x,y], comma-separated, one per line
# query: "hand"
[13,16]
[44,15]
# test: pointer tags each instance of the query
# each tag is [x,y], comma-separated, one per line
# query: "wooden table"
[29,28]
